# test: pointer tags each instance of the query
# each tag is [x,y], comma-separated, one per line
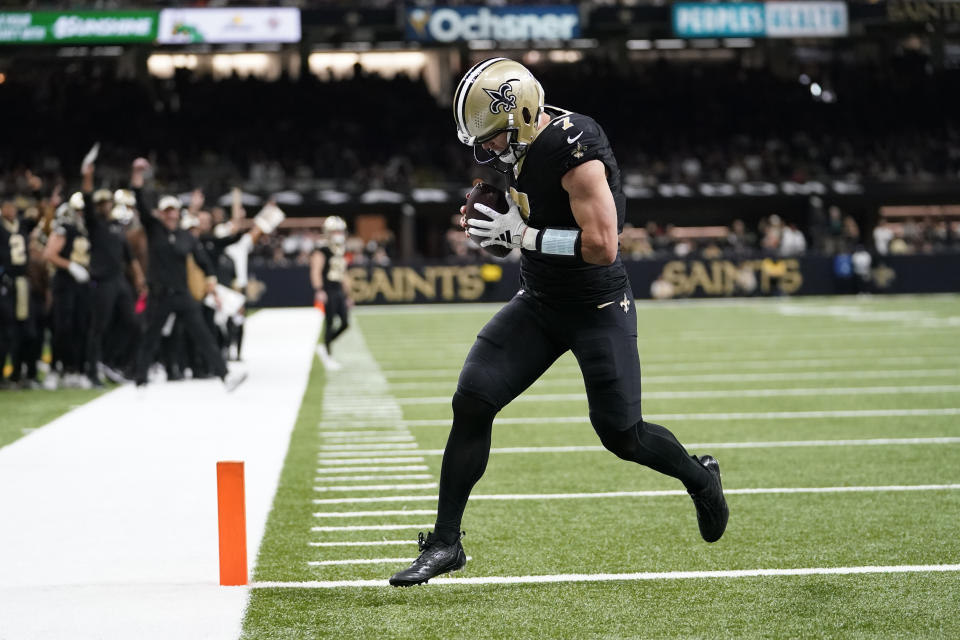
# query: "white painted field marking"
[360,448]
[363,432]
[330,563]
[365,439]
[741,415]
[723,393]
[577,381]
[370,461]
[733,363]
[373,543]
[152,488]
[626,577]
[649,494]
[411,467]
[911,318]
[732,445]
[378,487]
[401,476]
[371,527]
[374,514]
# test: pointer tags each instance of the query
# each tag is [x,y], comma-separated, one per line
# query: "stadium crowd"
[670,122]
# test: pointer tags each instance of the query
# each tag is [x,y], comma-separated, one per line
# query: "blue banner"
[453,24]
[760,19]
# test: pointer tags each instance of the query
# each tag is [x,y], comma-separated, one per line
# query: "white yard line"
[355,448]
[717,417]
[367,461]
[333,563]
[372,543]
[365,469]
[132,474]
[850,374]
[378,487]
[723,393]
[768,444]
[370,527]
[731,363]
[648,494]
[628,577]
[374,514]
[401,476]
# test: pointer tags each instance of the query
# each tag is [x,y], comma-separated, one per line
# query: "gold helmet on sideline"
[333,224]
[498,95]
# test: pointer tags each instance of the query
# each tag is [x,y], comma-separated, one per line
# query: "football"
[494,198]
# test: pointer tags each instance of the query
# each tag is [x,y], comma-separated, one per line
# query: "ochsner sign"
[450,24]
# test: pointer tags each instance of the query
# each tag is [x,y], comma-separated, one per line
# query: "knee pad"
[471,408]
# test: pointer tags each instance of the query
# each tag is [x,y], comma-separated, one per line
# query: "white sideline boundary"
[627,577]
[109,513]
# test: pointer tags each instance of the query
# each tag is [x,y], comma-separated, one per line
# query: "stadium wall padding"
[679,278]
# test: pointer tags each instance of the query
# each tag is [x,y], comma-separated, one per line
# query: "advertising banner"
[186,26]
[760,20]
[452,24]
[77,27]
[661,278]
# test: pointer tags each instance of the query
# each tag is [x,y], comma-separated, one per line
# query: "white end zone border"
[109,513]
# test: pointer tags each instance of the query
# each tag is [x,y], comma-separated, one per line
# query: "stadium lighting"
[829,97]
[639,45]
[670,43]
[738,43]
[3,78]
[804,79]
[816,90]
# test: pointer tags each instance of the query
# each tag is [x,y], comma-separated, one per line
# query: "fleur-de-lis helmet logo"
[502,98]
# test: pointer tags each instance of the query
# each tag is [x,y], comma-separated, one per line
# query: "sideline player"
[566,212]
[331,286]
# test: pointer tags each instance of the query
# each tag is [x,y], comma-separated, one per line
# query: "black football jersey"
[76,247]
[334,266]
[569,140]
[14,248]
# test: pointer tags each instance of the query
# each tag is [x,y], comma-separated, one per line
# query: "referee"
[167,249]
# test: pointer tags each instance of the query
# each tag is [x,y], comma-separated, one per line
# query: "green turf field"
[23,411]
[856,397]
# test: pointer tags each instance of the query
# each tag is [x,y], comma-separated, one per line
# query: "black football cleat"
[712,511]
[435,558]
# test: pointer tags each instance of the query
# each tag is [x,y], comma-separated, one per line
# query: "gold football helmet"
[498,95]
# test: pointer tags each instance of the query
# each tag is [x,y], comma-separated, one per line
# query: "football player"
[331,286]
[15,308]
[566,209]
[68,251]
[112,297]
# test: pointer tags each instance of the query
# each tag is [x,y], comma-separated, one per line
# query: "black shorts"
[526,336]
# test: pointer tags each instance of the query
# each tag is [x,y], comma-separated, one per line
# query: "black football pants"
[71,318]
[336,321]
[111,308]
[514,349]
[159,307]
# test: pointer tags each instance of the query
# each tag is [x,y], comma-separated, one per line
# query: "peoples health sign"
[760,19]
[452,24]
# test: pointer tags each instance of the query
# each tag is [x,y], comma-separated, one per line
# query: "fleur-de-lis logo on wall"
[502,98]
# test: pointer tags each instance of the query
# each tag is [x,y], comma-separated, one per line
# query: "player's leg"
[188,311]
[605,345]
[510,353]
[337,320]
[158,309]
[6,327]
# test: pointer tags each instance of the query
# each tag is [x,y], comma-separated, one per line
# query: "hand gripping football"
[494,198]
